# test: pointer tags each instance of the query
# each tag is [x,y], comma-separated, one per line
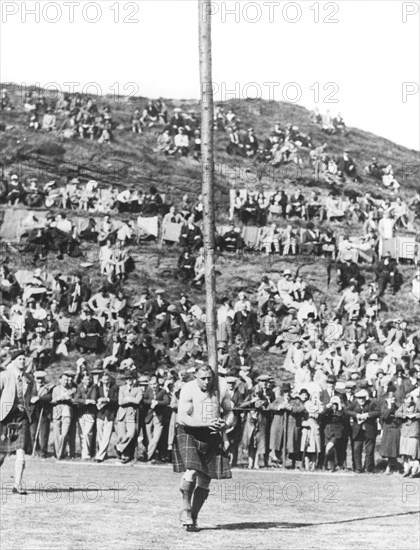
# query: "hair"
[204,367]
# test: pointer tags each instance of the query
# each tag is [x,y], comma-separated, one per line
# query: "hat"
[126,363]
[286,387]
[231,379]
[143,380]
[362,394]
[221,345]
[335,399]
[69,373]
[97,371]
[128,375]
[331,379]
[380,371]
[287,272]
[17,353]
[40,374]
[373,357]
[350,385]
[159,291]
[80,361]
[263,378]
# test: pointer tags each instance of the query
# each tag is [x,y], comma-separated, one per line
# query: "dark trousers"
[41,444]
[369,447]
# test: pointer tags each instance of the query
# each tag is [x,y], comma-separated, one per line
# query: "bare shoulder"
[187,390]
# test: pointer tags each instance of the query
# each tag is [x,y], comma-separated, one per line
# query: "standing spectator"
[364,413]
[157,400]
[129,399]
[85,400]
[107,405]
[41,415]
[409,413]
[62,401]
[390,441]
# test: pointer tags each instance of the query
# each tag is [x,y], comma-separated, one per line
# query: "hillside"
[131,160]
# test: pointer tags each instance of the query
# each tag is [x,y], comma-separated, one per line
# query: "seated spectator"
[186,264]
[89,334]
[181,143]
[231,241]
[191,236]
[164,143]
[387,273]
[270,239]
[347,167]
[251,143]
[49,121]
[296,205]
[136,123]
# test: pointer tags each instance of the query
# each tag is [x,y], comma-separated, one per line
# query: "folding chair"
[171,232]
[251,236]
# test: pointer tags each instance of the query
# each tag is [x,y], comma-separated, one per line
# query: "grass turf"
[137,507]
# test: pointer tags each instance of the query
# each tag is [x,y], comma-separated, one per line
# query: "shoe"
[98,460]
[17,491]
[186,519]
[117,451]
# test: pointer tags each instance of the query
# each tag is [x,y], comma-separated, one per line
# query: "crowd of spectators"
[347,372]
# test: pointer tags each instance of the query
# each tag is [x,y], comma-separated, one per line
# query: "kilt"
[15,433]
[198,449]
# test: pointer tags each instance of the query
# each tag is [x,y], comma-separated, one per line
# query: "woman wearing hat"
[409,413]
[16,388]
[335,425]
[255,426]
[390,441]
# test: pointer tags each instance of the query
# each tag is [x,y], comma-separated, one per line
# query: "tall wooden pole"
[207,166]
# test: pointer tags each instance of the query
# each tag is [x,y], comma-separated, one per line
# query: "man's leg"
[369,455]
[200,495]
[44,434]
[187,487]
[19,467]
[2,457]
[358,448]
[57,436]
[65,429]
[154,437]
[104,437]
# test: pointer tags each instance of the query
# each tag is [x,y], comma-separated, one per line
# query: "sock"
[19,467]
[199,498]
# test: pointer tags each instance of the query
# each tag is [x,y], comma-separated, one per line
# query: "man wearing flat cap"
[129,399]
[62,401]
[363,413]
[17,389]
[107,405]
[42,414]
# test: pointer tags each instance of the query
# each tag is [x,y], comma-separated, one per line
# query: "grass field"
[81,505]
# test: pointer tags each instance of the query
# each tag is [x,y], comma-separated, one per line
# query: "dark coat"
[368,428]
[391,425]
[163,400]
[109,410]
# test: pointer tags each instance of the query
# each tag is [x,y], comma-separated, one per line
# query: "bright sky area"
[364,54]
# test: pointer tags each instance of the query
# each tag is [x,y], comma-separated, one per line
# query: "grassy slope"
[132,158]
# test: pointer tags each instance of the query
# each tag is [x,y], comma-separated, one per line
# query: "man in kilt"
[17,393]
[203,414]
